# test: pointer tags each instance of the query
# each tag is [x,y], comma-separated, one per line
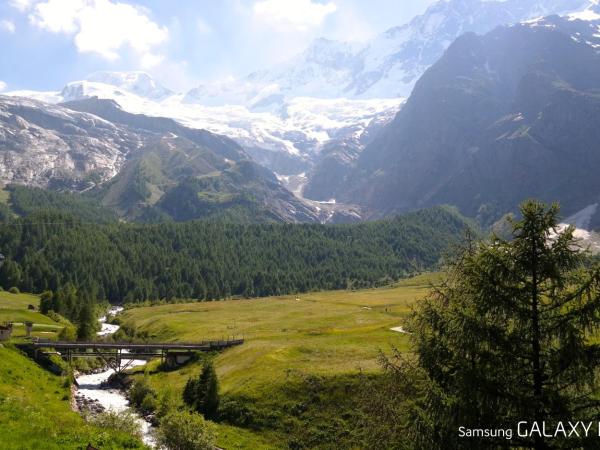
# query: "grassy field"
[293,343]
[322,333]
[35,411]
[4,196]
[15,308]
[17,301]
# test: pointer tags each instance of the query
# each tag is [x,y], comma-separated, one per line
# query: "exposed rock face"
[144,168]
[42,144]
[500,118]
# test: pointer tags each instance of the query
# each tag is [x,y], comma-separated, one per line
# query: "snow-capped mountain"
[386,67]
[136,82]
[322,106]
[143,168]
[395,60]
[285,140]
[320,71]
[501,117]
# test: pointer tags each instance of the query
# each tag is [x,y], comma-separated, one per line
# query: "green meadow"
[298,348]
[35,405]
[35,410]
[296,382]
[15,308]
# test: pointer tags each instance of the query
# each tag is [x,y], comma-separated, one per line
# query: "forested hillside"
[84,262]
[25,201]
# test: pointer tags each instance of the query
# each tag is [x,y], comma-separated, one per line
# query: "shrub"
[68,333]
[183,430]
[236,412]
[142,395]
[122,421]
[149,403]
[14,290]
[166,403]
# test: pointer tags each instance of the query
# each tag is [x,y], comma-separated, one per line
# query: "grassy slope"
[318,333]
[14,308]
[288,339]
[35,411]
[17,301]
[4,196]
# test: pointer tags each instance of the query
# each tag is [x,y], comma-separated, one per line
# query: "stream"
[91,390]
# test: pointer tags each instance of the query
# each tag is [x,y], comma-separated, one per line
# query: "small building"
[5,331]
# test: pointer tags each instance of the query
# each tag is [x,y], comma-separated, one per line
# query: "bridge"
[119,355]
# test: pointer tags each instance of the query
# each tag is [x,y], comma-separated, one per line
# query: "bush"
[142,395]
[236,412]
[166,403]
[149,404]
[122,421]
[186,431]
[14,290]
[68,333]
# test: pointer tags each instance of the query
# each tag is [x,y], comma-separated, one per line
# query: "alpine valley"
[369,246]
[476,104]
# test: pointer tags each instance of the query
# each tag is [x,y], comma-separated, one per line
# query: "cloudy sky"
[46,43]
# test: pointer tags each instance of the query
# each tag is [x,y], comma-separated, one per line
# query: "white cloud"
[7,25]
[203,27]
[299,15]
[149,60]
[21,5]
[2,86]
[103,27]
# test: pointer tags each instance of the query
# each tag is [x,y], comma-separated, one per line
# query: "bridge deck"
[202,346]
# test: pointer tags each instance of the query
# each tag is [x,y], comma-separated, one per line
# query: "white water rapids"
[90,386]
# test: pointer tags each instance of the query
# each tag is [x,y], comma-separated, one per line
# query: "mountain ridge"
[135,164]
[500,117]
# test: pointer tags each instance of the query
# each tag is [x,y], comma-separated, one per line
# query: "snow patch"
[399,330]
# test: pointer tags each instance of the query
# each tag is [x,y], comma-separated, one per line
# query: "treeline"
[208,260]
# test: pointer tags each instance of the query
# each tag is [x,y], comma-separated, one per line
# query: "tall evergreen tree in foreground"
[509,337]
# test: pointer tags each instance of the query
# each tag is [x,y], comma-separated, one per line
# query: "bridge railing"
[203,345]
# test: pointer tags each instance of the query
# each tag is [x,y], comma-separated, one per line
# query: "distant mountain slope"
[387,66]
[286,139]
[110,110]
[144,168]
[25,201]
[501,117]
[43,145]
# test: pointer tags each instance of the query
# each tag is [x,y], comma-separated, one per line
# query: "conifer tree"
[507,338]
[208,391]
[189,392]
[202,393]
[86,323]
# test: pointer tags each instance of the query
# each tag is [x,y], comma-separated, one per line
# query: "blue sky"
[46,43]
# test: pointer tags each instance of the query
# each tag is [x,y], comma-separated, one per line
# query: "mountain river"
[91,389]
